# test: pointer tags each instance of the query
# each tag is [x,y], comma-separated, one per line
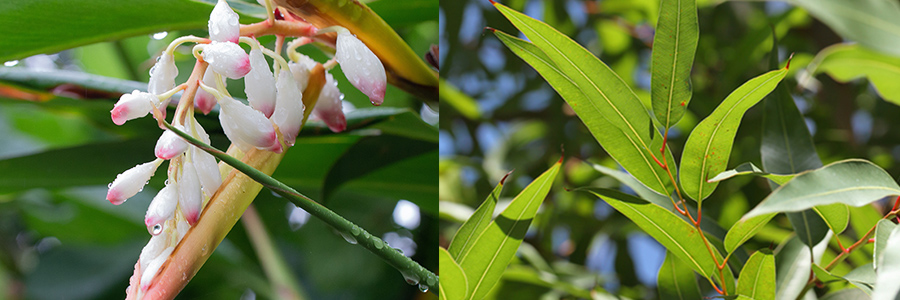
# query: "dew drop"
[423,288]
[411,279]
[109,186]
[378,243]
[156,230]
[431,280]
[355,231]
[349,238]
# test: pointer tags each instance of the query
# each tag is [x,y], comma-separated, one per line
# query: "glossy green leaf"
[882,233]
[674,45]
[493,249]
[668,229]
[453,284]
[84,26]
[475,225]
[748,168]
[836,216]
[708,147]
[676,280]
[846,62]
[872,23]
[757,278]
[888,270]
[625,148]
[745,229]
[862,277]
[853,182]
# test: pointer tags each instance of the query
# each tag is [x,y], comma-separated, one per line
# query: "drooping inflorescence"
[269,121]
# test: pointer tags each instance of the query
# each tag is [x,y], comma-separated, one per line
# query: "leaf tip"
[491,29]
[788,66]
[493,2]
[503,180]
[562,150]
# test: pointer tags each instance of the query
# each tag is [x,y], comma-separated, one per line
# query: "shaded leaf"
[757,278]
[748,168]
[605,97]
[708,147]
[846,62]
[496,245]
[672,232]
[676,280]
[854,182]
[888,270]
[674,45]
[453,284]
[882,233]
[872,23]
[622,147]
[475,225]
[809,226]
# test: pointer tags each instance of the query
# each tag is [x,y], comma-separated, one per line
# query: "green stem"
[283,282]
[406,266]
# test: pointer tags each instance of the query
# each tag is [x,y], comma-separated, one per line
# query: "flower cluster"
[270,122]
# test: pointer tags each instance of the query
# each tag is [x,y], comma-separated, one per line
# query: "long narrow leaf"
[625,149]
[495,247]
[679,237]
[830,184]
[846,62]
[757,279]
[708,147]
[674,45]
[886,287]
[676,280]
[453,285]
[475,225]
[744,229]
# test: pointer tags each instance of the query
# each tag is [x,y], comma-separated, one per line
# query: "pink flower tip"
[119,114]
[115,197]
[192,216]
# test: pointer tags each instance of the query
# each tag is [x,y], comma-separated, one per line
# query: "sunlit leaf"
[493,249]
[475,225]
[674,44]
[745,229]
[676,280]
[672,232]
[626,148]
[757,278]
[846,62]
[882,233]
[453,283]
[708,147]
[872,23]
[853,182]
[888,270]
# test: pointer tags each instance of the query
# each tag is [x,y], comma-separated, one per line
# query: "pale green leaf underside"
[494,248]
[872,23]
[853,182]
[708,147]
[882,233]
[886,287]
[846,62]
[749,168]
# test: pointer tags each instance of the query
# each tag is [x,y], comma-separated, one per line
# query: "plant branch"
[372,243]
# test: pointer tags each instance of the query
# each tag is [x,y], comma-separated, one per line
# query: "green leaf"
[888,270]
[85,26]
[676,280]
[674,45]
[847,294]
[748,168]
[862,277]
[626,149]
[464,104]
[882,233]
[410,13]
[836,216]
[853,182]
[744,229]
[872,23]
[496,245]
[846,62]
[824,276]
[757,279]
[810,228]
[708,147]
[460,245]
[793,263]
[668,229]
[453,284]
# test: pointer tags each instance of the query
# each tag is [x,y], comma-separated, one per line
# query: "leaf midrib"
[674,63]
[680,247]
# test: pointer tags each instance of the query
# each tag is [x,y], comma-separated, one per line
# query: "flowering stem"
[374,244]
[284,285]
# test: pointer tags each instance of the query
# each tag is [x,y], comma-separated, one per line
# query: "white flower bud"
[301,69]
[204,101]
[223,24]
[289,107]
[162,76]
[181,229]
[149,273]
[189,197]
[170,144]
[207,171]
[153,248]
[133,106]
[161,208]
[259,84]
[131,182]
[362,68]
[227,58]
[247,127]
[329,105]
